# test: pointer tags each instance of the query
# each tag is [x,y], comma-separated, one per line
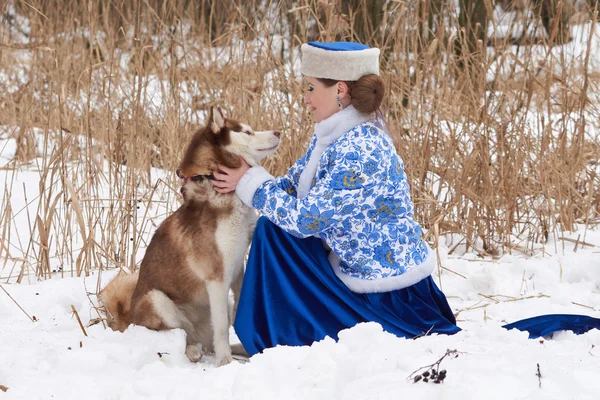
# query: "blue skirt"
[291,296]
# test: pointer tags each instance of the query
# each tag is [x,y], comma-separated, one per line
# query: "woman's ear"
[342,90]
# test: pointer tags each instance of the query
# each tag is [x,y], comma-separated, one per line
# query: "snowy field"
[52,358]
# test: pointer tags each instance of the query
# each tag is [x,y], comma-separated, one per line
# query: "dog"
[197,254]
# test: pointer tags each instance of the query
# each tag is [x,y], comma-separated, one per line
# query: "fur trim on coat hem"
[387,284]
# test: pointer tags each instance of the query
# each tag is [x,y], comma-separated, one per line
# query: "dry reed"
[96,95]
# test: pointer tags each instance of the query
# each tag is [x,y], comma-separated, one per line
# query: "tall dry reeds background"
[499,132]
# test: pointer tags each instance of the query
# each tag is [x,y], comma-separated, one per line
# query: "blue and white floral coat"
[350,190]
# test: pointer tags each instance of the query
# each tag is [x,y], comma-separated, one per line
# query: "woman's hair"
[366,93]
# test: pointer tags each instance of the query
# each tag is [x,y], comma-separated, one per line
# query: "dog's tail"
[116,299]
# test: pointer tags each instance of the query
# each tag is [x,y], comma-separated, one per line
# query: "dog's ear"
[216,120]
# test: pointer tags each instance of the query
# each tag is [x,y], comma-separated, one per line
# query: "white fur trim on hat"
[349,65]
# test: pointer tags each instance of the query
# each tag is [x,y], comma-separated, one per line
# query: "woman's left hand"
[227,180]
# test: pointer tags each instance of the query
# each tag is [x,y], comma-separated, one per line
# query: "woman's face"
[321,99]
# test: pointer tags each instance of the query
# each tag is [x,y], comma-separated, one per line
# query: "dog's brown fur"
[187,270]
[116,299]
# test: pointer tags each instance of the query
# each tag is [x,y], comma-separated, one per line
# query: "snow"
[52,358]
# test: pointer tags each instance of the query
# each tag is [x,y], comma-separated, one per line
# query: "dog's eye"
[249,133]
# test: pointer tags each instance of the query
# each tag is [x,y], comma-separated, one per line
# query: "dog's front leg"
[236,287]
[218,294]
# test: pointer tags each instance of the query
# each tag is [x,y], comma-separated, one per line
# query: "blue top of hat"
[339,46]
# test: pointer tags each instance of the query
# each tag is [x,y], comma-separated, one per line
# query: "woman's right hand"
[228,178]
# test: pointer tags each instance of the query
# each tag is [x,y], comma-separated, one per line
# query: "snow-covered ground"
[52,358]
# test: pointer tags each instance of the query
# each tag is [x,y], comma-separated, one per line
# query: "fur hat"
[343,61]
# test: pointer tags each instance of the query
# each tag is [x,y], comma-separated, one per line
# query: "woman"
[338,243]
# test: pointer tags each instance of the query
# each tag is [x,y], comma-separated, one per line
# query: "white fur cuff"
[250,182]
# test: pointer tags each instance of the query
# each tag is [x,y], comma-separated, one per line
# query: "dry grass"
[94,94]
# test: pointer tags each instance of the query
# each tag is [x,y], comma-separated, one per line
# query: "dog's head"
[222,141]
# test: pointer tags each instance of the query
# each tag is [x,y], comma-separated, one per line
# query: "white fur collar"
[327,132]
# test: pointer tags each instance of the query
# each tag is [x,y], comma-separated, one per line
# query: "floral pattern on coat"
[359,204]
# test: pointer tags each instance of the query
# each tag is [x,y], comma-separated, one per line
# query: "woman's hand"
[227,180]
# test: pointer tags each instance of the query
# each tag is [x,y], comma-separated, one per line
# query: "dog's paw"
[193,352]
[224,360]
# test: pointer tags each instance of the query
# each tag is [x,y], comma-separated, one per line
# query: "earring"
[339,103]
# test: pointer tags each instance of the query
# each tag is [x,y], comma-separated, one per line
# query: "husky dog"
[197,254]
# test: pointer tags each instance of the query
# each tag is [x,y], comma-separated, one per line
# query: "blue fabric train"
[292,297]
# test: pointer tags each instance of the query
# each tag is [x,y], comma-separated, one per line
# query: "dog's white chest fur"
[233,235]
